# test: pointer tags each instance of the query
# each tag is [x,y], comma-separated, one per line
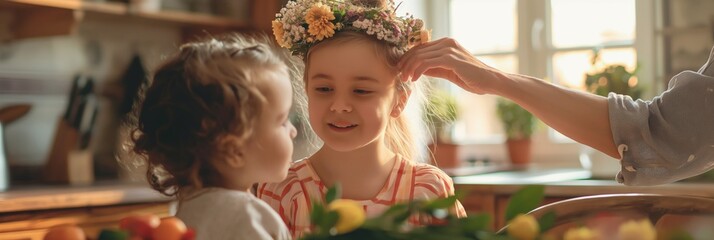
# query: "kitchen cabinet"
[491,203]
[42,18]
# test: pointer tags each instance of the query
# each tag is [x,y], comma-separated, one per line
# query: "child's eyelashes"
[356,91]
[362,91]
[323,89]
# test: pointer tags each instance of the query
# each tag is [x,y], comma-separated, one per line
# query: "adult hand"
[446,58]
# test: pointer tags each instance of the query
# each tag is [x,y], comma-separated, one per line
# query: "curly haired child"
[213,122]
[356,106]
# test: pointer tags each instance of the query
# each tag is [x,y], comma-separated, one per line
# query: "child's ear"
[402,98]
[236,160]
[234,156]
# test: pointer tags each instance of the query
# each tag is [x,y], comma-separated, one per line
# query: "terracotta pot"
[444,155]
[519,151]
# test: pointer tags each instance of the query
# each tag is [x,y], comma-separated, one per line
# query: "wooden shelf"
[39,18]
[191,19]
[112,8]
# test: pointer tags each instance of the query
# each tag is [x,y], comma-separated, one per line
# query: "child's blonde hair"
[400,135]
[201,105]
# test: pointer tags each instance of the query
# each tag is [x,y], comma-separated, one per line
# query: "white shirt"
[218,213]
[671,137]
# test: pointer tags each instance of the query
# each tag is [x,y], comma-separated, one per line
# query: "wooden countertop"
[581,187]
[31,198]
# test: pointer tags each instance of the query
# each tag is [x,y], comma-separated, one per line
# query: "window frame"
[535,59]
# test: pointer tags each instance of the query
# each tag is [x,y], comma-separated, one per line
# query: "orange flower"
[420,37]
[425,36]
[279,33]
[319,19]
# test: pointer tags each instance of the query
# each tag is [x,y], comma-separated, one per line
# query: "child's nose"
[340,104]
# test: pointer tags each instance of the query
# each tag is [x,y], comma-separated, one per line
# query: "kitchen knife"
[72,97]
[82,98]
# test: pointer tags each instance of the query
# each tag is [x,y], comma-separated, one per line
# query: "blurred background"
[69,71]
[47,44]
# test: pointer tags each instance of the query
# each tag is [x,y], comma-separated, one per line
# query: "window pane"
[569,68]
[592,22]
[416,8]
[484,26]
[478,121]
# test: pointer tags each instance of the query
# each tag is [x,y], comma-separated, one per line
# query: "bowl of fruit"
[134,227]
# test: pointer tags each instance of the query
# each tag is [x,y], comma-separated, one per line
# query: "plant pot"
[519,151]
[444,155]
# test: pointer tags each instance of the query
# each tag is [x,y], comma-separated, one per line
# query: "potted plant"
[602,80]
[611,78]
[519,125]
[440,113]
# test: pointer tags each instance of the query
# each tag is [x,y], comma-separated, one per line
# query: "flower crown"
[304,23]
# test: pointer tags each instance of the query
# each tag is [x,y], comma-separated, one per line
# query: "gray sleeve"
[669,138]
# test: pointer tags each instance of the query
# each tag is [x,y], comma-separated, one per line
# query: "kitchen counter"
[30,198]
[490,191]
[569,182]
[576,188]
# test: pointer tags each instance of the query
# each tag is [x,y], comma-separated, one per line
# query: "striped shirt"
[407,180]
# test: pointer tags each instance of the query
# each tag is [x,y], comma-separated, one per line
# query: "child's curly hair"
[201,105]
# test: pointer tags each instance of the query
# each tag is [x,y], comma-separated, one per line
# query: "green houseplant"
[612,78]
[440,113]
[519,125]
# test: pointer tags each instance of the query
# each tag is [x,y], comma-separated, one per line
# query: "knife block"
[66,163]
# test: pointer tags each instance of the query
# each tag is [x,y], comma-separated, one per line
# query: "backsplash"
[39,72]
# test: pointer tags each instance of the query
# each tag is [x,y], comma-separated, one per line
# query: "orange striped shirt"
[407,181]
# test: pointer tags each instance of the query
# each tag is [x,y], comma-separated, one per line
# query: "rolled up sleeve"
[669,138]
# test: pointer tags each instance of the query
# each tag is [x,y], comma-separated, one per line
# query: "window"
[550,39]
[495,42]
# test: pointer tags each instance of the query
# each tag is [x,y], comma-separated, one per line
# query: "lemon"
[581,233]
[351,215]
[637,230]
[523,227]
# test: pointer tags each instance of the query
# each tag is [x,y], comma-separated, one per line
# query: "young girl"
[355,106]
[213,122]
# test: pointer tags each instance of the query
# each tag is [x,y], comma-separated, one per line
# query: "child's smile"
[342,126]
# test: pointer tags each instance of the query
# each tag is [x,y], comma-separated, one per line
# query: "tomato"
[170,228]
[140,225]
[189,235]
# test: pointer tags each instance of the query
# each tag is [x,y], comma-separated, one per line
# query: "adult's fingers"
[409,68]
[423,45]
[429,46]
[438,65]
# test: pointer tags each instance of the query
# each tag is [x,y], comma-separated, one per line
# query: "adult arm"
[578,115]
